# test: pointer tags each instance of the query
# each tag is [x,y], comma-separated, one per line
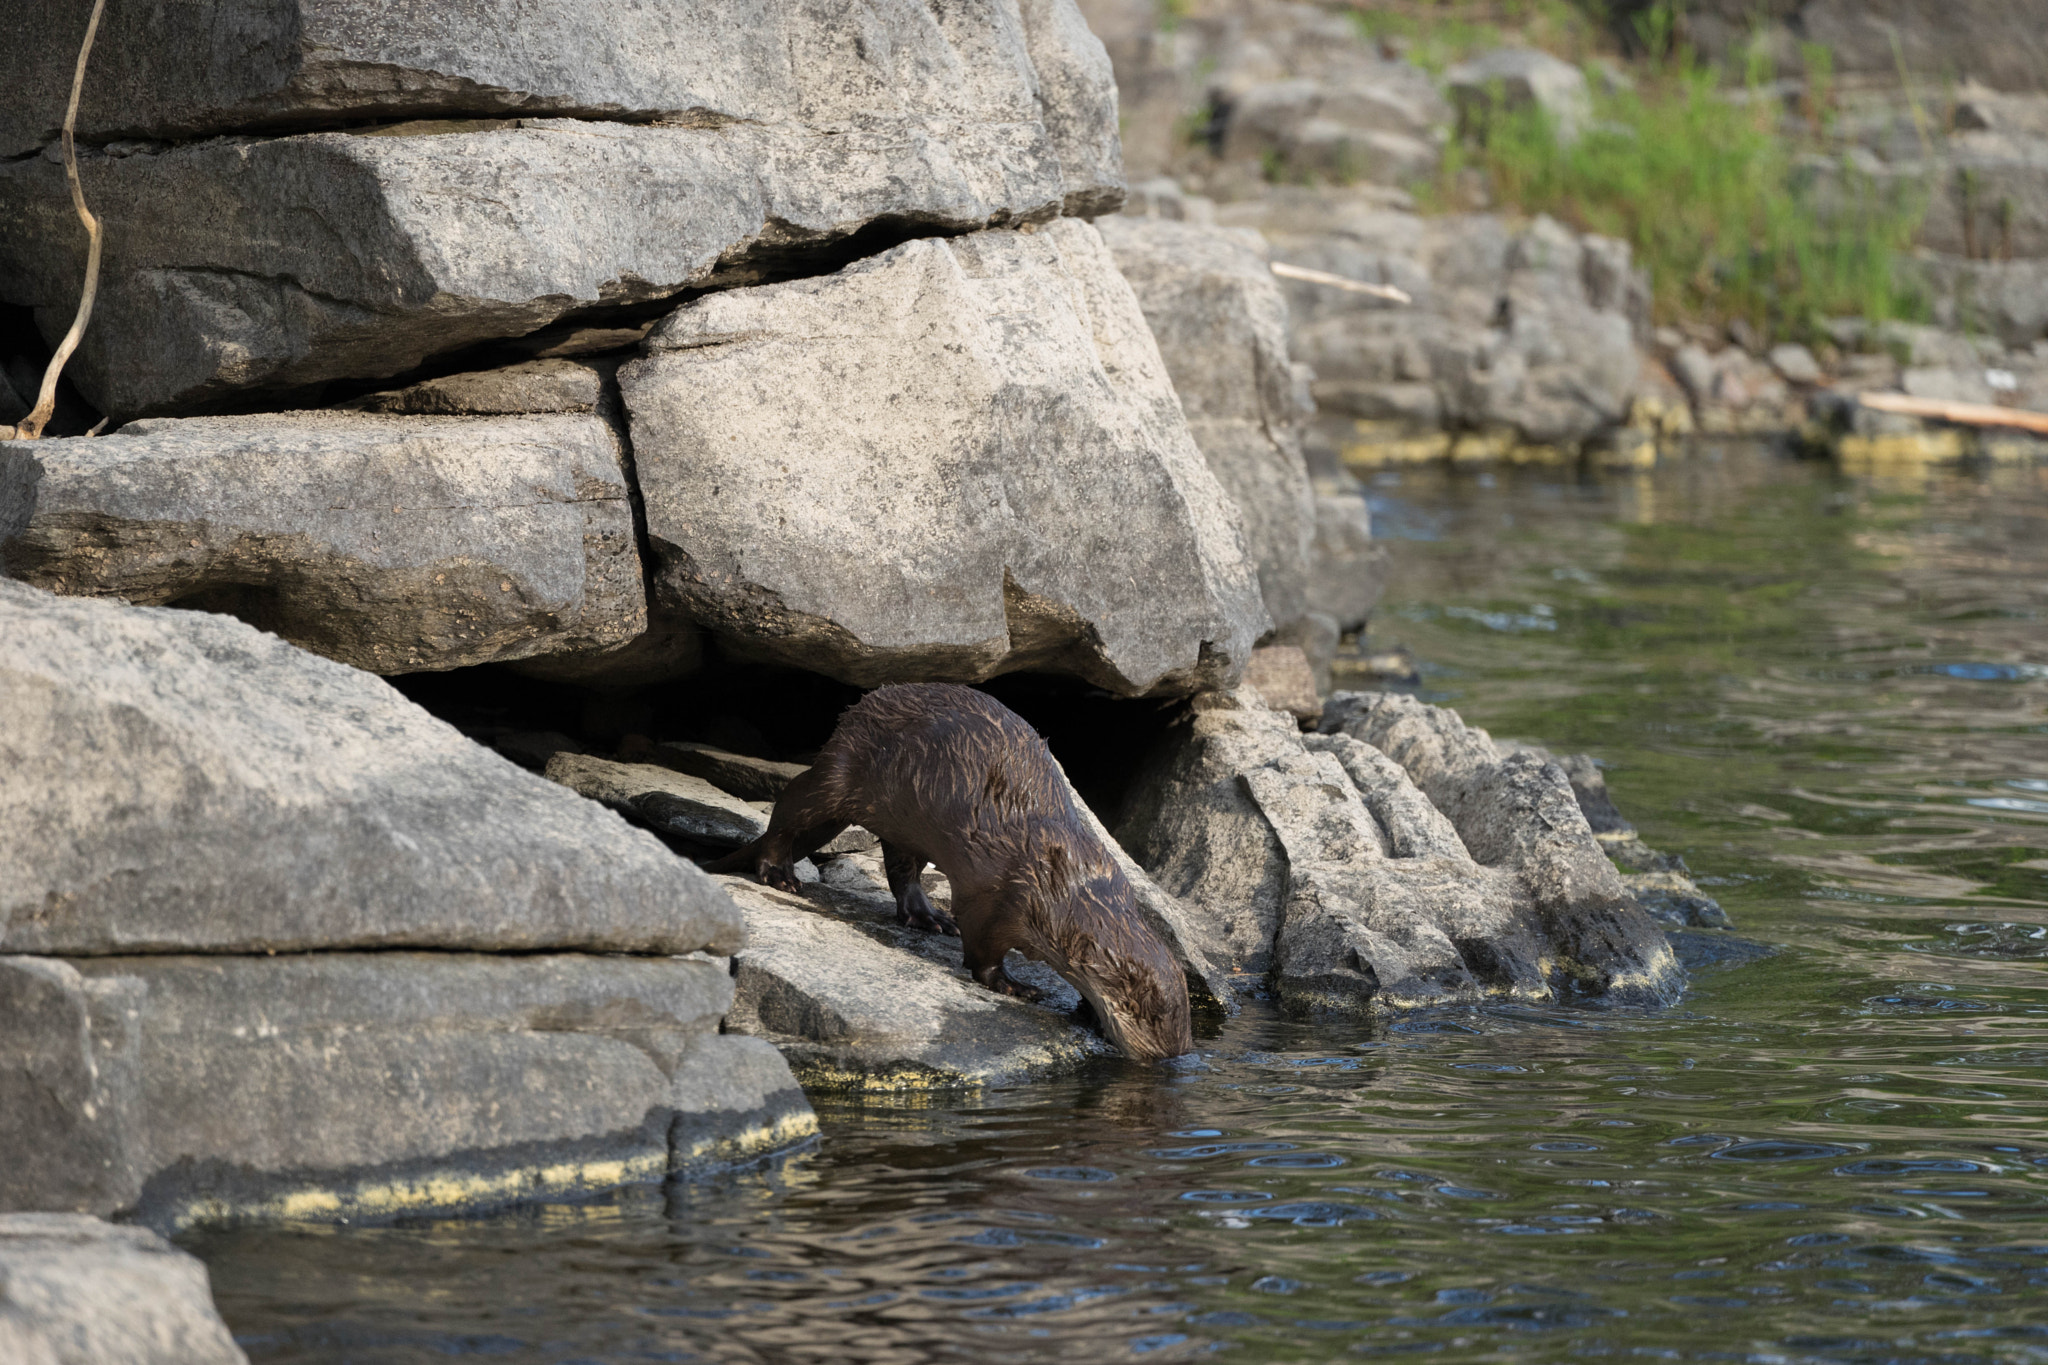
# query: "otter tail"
[741,859]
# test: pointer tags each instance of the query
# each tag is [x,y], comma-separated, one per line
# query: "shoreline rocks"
[77,1291]
[1395,860]
[204,828]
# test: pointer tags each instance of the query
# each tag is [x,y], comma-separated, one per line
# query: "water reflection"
[1830,695]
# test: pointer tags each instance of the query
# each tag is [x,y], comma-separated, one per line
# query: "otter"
[947,775]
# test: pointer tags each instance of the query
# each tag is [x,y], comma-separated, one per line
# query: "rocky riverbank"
[512,469]
[1528,340]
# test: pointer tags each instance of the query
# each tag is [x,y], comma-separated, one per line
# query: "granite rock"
[1221,324]
[274,266]
[551,385]
[183,72]
[78,1291]
[1529,331]
[1400,861]
[391,543]
[180,782]
[955,459]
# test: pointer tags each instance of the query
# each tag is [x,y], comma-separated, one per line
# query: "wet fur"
[948,775]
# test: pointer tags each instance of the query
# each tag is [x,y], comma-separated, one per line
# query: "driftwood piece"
[1964,414]
[31,427]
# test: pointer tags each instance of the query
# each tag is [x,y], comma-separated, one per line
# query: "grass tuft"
[1712,193]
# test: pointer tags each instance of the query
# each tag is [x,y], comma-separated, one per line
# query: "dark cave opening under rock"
[784,714]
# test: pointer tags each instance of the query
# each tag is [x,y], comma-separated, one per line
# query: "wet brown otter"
[948,775]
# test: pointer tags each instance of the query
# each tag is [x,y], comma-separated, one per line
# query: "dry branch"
[1302,272]
[31,426]
[1963,414]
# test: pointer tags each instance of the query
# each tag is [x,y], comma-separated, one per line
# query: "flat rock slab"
[78,1291]
[855,1000]
[395,544]
[673,802]
[550,385]
[180,1090]
[180,782]
[747,777]
[958,458]
[215,288]
[826,66]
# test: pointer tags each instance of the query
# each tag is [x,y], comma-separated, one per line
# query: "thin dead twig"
[1302,272]
[31,426]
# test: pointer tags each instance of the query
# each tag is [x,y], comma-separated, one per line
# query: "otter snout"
[1144,1012]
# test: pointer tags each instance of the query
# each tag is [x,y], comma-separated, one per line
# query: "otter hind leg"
[806,817]
[913,906]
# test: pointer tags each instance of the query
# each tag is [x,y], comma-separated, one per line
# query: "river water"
[1829,693]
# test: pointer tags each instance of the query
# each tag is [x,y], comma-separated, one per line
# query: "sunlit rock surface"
[956,459]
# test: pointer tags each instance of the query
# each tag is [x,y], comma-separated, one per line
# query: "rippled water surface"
[1830,695]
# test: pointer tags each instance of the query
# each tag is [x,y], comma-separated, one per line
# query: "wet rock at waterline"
[1400,861]
[180,782]
[183,1089]
[955,459]
[391,543]
[78,1291]
[854,999]
[214,290]
[1660,882]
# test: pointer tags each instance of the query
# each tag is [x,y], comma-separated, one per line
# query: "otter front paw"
[1002,983]
[916,910]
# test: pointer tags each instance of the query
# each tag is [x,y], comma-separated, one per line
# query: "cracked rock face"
[275,266]
[553,157]
[179,782]
[391,543]
[183,71]
[958,458]
[1400,859]
[75,1289]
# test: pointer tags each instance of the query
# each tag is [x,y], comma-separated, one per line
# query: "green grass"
[1434,34]
[1708,191]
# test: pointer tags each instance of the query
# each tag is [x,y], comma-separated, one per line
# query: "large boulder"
[1221,324]
[390,543]
[78,1291]
[1398,860]
[955,459]
[179,1090]
[180,782]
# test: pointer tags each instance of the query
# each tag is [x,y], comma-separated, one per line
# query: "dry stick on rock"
[31,427]
[1302,272]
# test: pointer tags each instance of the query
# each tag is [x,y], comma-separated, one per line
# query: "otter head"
[1110,955]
